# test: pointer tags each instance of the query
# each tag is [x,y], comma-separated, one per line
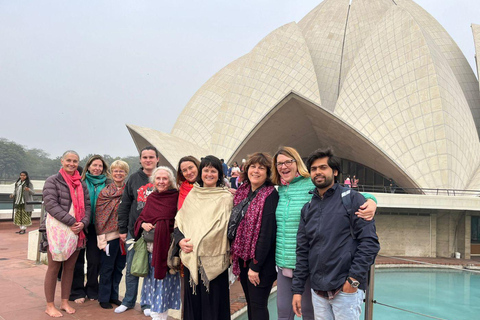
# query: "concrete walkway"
[21,282]
[21,285]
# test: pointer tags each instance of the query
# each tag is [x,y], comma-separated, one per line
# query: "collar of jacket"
[327,194]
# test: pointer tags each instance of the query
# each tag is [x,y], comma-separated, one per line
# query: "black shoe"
[116,302]
[19,231]
[22,232]
[106,305]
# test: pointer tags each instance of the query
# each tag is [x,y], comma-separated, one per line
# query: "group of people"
[351,183]
[190,214]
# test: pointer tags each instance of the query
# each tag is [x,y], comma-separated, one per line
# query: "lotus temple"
[380,81]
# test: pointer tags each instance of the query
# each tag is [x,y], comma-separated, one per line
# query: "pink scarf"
[245,241]
[75,184]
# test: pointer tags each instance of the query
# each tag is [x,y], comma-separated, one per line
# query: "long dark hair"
[89,162]
[27,180]
[180,177]
[211,161]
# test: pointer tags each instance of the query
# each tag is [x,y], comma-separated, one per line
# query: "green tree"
[12,159]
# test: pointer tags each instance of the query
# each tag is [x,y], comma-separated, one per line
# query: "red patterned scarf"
[74,183]
[106,215]
[245,242]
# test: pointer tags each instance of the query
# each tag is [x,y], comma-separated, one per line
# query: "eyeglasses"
[287,163]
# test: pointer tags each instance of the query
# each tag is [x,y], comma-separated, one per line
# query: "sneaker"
[147,312]
[121,309]
[106,305]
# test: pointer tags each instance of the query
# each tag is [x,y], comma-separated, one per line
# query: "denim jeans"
[131,282]
[345,306]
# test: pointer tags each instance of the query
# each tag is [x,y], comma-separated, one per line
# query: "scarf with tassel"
[245,241]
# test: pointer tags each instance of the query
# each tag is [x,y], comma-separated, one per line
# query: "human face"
[209,177]
[118,175]
[162,183]
[257,175]
[23,176]
[189,171]
[148,160]
[70,163]
[96,167]
[287,169]
[322,175]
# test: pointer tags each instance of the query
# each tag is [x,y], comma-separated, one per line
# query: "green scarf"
[95,184]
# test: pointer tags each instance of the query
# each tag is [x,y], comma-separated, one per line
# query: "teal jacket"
[292,199]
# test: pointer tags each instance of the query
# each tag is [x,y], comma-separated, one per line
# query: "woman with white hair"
[161,289]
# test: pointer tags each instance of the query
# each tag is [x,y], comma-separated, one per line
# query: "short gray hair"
[171,176]
[70,152]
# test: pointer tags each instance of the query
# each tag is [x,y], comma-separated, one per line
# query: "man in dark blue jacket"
[335,248]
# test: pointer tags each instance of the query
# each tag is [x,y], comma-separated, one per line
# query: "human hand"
[27,189]
[253,277]
[147,226]
[123,237]
[185,246]
[347,287]
[232,191]
[11,196]
[367,210]
[297,304]
[77,227]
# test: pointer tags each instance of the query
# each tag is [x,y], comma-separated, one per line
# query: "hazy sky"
[73,73]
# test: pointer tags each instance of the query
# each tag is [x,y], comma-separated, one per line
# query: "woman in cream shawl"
[201,234]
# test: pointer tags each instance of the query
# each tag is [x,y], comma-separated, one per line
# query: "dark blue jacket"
[326,250]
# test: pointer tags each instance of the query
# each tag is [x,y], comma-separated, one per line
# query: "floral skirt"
[22,217]
[163,294]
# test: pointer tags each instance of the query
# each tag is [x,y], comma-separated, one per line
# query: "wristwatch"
[353,283]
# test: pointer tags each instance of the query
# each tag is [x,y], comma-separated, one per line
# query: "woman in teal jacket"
[294,183]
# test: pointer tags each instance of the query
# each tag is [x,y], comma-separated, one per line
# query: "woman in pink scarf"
[68,212]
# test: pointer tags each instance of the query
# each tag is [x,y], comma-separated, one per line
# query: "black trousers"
[111,272]
[211,305]
[93,254]
[256,296]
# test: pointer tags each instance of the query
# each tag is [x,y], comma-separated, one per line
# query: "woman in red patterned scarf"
[253,249]
[68,213]
[113,255]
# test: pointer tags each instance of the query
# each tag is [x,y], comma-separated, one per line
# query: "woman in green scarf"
[96,177]
[23,193]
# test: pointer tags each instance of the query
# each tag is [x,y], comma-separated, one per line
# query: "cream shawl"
[204,218]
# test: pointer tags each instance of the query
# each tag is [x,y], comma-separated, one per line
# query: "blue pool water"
[442,293]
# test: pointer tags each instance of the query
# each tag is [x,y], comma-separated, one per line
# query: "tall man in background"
[134,196]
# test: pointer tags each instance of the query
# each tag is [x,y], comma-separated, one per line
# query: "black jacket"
[134,197]
[326,250]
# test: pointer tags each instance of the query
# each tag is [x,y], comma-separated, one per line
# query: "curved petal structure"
[379,80]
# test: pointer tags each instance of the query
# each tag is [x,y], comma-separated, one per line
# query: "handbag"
[148,236]
[173,259]
[139,267]
[238,212]
[62,242]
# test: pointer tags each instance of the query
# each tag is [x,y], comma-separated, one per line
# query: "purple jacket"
[57,200]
